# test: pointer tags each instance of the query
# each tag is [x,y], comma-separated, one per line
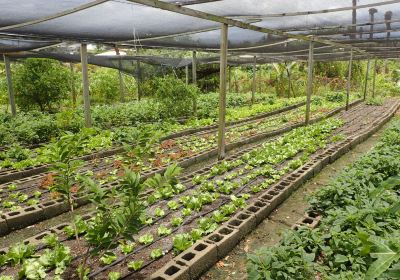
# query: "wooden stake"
[11,96]
[73,92]
[187,74]
[222,91]
[121,81]
[349,80]
[85,81]
[253,90]
[194,80]
[309,81]
[373,80]
[366,79]
[139,80]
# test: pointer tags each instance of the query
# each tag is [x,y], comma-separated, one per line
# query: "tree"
[40,83]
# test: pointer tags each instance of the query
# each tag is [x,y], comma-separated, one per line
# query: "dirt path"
[233,266]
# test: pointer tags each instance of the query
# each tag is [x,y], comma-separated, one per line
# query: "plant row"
[359,234]
[18,157]
[34,127]
[14,196]
[171,217]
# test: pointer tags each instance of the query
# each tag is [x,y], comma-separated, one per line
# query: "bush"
[40,84]
[175,97]
[335,97]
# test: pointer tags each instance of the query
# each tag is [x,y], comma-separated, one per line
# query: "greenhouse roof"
[271,30]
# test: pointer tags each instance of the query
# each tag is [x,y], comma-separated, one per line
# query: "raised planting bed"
[9,174]
[207,207]
[191,263]
[353,222]
[33,191]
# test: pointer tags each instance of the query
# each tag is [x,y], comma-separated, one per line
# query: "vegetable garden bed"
[354,234]
[38,164]
[32,194]
[193,209]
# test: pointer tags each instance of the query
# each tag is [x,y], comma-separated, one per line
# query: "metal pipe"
[222,91]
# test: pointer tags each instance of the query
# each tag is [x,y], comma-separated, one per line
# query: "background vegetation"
[51,86]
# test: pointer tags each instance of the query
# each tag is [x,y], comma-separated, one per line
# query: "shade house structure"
[236,31]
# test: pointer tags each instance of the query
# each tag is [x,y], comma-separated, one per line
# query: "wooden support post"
[309,81]
[349,80]
[187,74]
[222,91]
[85,81]
[121,80]
[139,80]
[253,89]
[73,91]
[194,68]
[366,79]
[373,80]
[194,80]
[354,20]
[229,79]
[10,85]
[290,88]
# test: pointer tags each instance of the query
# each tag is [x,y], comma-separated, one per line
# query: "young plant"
[135,265]
[156,253]
[173,205]
[108,258]
[159,212]
[127,247]
[182,242]
[65,165]
[163,230]
[146,239]
[113,221]
[113,275]
[176,221]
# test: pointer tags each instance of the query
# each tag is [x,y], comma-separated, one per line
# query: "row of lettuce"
[359,236]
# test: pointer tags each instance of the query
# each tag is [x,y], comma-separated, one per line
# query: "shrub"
[175,97]
[335,96]
[40,84]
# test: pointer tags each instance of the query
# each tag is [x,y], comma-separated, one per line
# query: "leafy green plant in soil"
[359,236]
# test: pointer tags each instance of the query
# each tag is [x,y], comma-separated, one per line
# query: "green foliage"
[113,275]
[175,97]
[104,86]
[127,247]
[108,258]
[114,221]
[65,166]
[135,265]
[335,96]
[40,83]
[375,101]
[165,185]
[19,252]
[146,239]
[182,242]
[156,253]
[359,234]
